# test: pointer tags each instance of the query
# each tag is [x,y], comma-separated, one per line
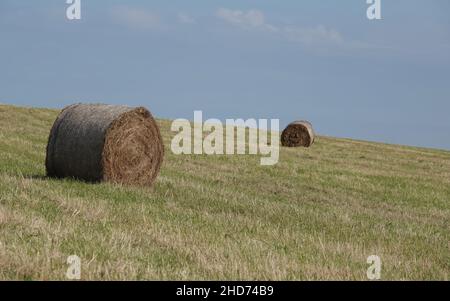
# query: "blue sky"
[320,60]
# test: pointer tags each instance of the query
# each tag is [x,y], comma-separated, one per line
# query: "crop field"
[317,214]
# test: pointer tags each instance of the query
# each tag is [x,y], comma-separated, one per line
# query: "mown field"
[317,214]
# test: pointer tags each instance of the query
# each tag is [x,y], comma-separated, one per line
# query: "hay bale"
[298,133]
[111,143]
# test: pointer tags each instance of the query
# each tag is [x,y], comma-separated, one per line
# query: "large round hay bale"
[298,133]
[95,142]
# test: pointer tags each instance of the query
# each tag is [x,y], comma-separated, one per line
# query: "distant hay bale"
[298,133]
[111,143]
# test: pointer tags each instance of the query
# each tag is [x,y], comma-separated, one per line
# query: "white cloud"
[136,18]
[310,36]
[255,19]
[251,19]
[185,18]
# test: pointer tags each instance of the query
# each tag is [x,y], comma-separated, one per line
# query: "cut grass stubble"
[317,214]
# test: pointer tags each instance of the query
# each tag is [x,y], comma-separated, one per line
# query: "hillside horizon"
[285,122]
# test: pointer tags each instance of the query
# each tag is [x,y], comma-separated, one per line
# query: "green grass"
[317,214]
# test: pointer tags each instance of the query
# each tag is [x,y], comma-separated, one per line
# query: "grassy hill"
[317,214]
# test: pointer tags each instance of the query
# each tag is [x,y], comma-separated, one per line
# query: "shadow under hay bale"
[95,142]
[297,134]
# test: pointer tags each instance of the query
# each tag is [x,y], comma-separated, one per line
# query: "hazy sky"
[320,60]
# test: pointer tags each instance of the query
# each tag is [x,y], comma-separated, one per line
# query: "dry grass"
[318,214]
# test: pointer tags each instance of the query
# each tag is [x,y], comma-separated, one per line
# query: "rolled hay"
[96,142]
[298,133]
